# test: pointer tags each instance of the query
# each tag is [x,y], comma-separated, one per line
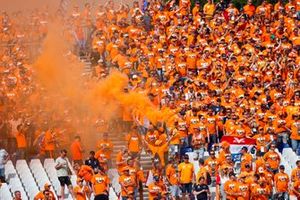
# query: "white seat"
[39,173]
[112,194]
[27,179]
[4,192]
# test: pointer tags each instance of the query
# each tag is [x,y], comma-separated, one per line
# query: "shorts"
[175,190]
[101,197]
[64,180]
[186,188]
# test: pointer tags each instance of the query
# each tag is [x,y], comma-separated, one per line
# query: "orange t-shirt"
[21,140]
[154,191]
[49,141]
[230,187]
[260,193]
[133,143]
[244,189]
[172,175]
[128,182]
[81,192]
[186,172]
[86,172]
[76,151]
[281,182]
[100,184]
[273,159]
[41,196]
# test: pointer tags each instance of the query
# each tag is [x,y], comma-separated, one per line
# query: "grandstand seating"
[27,179]
[13,180]
[4,192]
[39,173]
[30,179]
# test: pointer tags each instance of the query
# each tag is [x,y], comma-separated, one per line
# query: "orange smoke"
[61,76]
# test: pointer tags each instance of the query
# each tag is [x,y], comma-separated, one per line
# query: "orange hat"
[46,186]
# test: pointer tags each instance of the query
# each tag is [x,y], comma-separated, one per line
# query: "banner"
[236,145]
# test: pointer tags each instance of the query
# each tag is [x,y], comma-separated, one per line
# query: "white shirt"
[3,155]
[63,171]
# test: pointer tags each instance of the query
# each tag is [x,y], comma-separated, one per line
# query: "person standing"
[172,178]
[63,172]
[186,176]
[100,184]
[201,189]
[81,192]
[50,143]
[281,182]
[4,157]
[21,142]
[77,151]
[92,161]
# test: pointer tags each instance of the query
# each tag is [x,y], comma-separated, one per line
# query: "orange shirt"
[129,183]
[244,189]
[281,181]
[186,172]
[295,175]
[76,151]
[120,158]
[230,186]
[133,143]
[273,159]
[245,159]
[295,129]
[49,141]
[260,193]
[100,184]
[81,192]
[172,175]
[154,190]
[21,140]
[106,147]
[41,196]
[249,10]
[86,172]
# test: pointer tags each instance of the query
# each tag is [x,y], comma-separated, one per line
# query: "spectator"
[21,142]
[172,178]
[272,158]
[17,195]
[63,173]
[41,194]
[201,190]
[77,151]
[4,157]
[81,191]
[186,176]
[92,161]
[281,183]
[127,183]
[100,185]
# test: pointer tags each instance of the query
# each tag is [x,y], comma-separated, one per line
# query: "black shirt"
[199,188]
[92,162]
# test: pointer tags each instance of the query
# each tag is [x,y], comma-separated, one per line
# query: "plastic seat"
[4,192]
[27,179]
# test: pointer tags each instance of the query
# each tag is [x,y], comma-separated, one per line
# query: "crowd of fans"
[220,70]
